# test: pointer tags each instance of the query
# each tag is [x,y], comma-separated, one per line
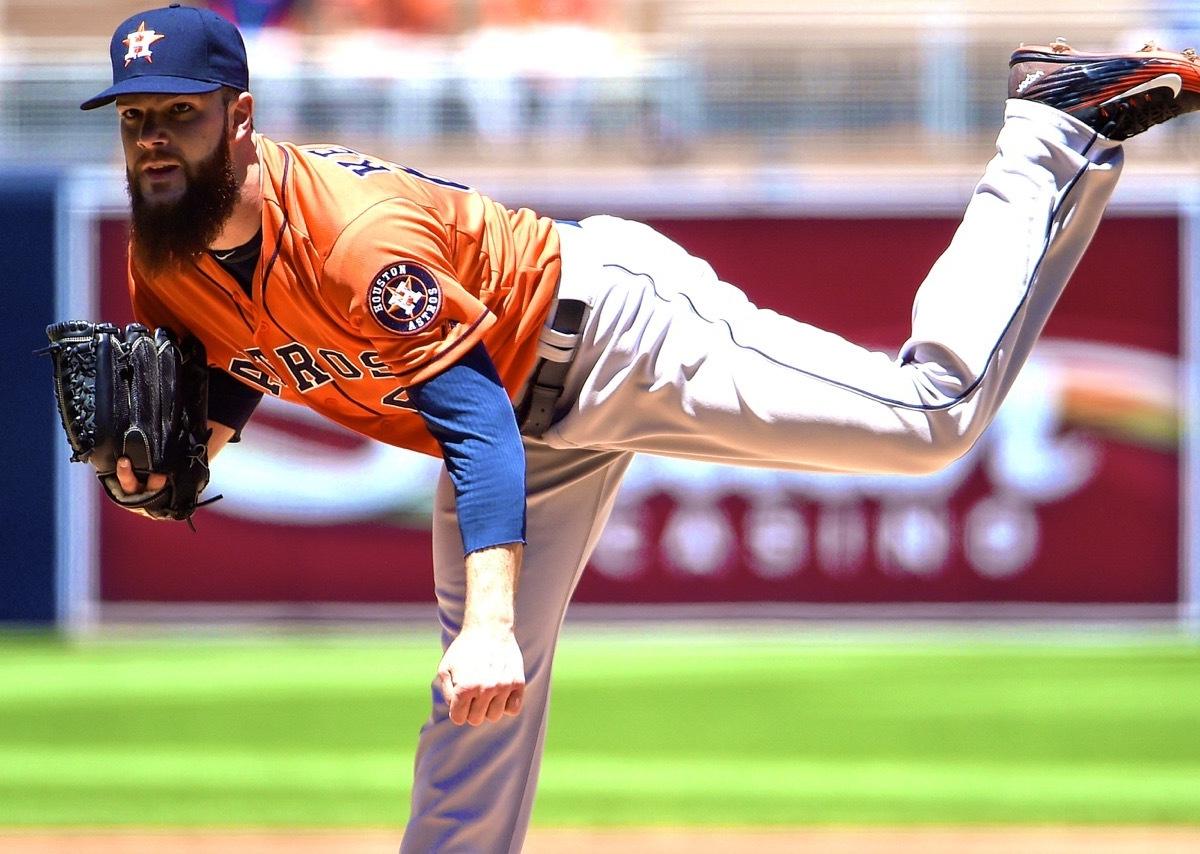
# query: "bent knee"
[931,454]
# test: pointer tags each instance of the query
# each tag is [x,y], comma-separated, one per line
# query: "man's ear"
[242,115]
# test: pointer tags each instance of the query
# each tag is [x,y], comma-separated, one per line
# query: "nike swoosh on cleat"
[1169,81]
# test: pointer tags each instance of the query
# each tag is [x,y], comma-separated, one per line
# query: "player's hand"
[130,484]
[482,676]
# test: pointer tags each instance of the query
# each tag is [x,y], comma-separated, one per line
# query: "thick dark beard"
[166,236]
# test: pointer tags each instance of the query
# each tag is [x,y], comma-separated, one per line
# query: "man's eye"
[181,108]
[129,115]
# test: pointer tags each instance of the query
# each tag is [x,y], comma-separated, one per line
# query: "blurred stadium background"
[1010,643]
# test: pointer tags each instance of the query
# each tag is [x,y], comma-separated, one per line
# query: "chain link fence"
[710,81]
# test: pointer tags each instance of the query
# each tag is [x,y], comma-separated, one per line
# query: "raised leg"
[679,363]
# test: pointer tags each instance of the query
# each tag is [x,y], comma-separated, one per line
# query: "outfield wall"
[27,246]
[1073,497]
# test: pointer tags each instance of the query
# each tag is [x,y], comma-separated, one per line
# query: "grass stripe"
[678,729]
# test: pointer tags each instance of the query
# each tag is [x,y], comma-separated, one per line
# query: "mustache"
[156,158]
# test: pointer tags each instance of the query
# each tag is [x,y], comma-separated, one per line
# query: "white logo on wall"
[835,524]
[797,522]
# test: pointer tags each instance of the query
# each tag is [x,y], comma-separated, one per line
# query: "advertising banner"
[1072,496]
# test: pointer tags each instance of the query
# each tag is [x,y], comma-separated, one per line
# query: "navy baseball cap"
[179,50]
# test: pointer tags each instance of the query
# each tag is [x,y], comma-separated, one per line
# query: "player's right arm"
[482,673]
[391,273]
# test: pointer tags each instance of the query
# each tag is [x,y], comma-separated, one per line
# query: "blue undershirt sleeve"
[230,402]
[468,411]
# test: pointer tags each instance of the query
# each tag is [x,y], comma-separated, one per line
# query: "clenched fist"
[482,676]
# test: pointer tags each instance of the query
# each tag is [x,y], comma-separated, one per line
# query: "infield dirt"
[1122,840]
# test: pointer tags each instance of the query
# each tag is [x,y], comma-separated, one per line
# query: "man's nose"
[151,134]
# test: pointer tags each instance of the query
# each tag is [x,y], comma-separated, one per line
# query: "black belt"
[535,412]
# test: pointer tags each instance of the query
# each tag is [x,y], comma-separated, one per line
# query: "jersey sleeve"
[467,410]
[390,275]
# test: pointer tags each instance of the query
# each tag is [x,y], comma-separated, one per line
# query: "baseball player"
[536,357]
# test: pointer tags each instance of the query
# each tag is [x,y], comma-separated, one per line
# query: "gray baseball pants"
[673,361]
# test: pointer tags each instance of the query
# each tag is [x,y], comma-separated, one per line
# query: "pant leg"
[676,362]
[473,787]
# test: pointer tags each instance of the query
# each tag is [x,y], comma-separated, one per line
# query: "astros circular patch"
[404,298]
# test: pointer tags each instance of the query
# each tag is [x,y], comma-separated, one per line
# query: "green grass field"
[646,729]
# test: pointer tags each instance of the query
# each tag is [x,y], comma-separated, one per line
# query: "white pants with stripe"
[674,361]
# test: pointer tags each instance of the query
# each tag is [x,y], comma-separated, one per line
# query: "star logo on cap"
[139,42]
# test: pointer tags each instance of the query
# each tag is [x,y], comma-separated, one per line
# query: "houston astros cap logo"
[139,42]
[404,298]
[187,51]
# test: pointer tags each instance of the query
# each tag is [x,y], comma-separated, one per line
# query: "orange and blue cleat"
[1118,95]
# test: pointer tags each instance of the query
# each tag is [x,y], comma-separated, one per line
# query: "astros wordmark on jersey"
[372,277]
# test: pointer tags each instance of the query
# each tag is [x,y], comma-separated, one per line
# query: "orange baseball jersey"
[372,277]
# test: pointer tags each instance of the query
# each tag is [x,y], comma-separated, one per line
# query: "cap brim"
[150,84]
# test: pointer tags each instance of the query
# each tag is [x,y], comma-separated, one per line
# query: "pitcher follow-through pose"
[536,357]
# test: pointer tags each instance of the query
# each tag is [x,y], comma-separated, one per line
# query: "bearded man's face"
[179,170]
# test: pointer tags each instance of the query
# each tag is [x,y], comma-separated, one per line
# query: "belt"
[557,347]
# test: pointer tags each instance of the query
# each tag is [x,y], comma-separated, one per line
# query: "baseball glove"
[130,393]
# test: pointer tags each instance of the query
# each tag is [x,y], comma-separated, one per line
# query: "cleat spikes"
[1149,47]
[1060,45]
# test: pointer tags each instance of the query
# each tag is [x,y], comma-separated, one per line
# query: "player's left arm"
[130,485]
[229,403]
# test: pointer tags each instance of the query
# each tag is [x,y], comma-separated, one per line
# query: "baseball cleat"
[1117,94]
